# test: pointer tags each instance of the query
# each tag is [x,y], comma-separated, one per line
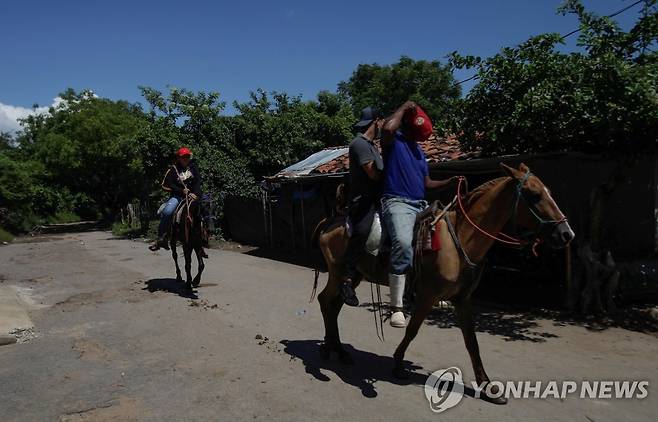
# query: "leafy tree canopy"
[429,83]
[534,98]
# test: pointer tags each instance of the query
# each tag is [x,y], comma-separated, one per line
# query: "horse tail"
[319,228]
[315,238]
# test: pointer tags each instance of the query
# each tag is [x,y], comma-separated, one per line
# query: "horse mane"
[473,196]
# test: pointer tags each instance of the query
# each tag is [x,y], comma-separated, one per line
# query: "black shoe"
[160,243]
[163,242]
[348,294]
[204,254]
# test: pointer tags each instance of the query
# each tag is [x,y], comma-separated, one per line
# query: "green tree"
[429,83]
[86,146]
[534,98]
[274,131]
[194,119]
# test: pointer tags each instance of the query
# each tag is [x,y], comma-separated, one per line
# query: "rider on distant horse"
[406,177]
[181,179]
[366,168]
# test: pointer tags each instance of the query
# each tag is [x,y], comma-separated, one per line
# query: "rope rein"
[503,237]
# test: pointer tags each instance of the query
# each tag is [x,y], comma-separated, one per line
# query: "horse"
[188,231]
[452,273]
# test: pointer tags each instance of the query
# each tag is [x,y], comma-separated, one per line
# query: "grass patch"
[5,236]
[120,229]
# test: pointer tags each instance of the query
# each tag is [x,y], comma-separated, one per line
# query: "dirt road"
[114,338]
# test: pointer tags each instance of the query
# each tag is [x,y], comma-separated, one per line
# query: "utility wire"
[618,12]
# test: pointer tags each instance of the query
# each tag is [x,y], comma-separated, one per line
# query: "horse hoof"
[400,373]
[188,285]
[325,352]
[499,399]
[496,400]
[196,282]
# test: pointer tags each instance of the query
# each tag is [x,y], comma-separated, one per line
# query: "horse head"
[536,210]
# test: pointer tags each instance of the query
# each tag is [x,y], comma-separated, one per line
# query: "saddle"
[426,230]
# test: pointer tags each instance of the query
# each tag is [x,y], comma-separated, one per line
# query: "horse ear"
[524,168]
[511,172]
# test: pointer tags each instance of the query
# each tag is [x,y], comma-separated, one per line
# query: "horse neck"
[490,212]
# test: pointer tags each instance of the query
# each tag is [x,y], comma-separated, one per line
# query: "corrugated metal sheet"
[307,165]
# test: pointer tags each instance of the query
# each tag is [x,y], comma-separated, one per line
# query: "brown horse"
[453,272]
[189,233]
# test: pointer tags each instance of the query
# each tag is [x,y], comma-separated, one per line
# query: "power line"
[612,15]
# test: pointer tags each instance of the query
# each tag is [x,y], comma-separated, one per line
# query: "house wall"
[629,221]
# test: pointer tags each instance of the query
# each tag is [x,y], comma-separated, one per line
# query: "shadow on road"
[366,371]
[540,325]
[169,285]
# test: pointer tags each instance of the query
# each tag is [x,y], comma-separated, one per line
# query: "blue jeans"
[167,213]
[399,215]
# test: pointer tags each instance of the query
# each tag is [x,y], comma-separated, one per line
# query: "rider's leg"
[165,220]
[355,249]
[400,217]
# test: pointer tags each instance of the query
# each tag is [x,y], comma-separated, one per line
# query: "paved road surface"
[114,340]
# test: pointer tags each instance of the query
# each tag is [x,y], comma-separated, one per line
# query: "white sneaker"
[397,320]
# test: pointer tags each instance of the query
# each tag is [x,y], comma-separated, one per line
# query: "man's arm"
[439,184]
[371,170]
[361,152]
[169,185]
[393,123]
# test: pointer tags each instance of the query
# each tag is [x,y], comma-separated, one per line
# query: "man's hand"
[186,191]
[440,184]
[409,105]
[394,122]
[193,196]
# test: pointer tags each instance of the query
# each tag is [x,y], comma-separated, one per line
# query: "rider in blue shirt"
[406,177]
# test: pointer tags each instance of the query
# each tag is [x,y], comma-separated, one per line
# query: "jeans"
[167,213]
[399,216]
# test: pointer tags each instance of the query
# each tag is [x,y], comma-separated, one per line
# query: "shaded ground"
[118,339]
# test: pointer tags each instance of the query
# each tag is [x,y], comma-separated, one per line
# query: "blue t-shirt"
[405,169]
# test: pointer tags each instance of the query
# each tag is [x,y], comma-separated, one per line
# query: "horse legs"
[424,303]
[200,267]
[330,305]
[187,251]
[174,255]
[464,313]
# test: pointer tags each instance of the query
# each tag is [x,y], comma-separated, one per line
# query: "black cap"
[368,114]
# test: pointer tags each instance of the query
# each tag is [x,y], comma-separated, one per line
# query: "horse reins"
[503,237]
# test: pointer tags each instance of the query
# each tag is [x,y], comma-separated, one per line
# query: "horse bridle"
[518,239]
[531,202]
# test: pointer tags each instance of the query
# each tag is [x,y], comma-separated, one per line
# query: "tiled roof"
[437,149]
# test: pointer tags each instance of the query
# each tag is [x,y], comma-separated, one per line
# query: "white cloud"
[10,114]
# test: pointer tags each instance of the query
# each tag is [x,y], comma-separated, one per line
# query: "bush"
[5,236]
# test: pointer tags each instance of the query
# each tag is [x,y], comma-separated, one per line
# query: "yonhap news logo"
[445,388]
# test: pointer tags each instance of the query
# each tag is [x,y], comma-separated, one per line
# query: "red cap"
[183,152]
[418,125]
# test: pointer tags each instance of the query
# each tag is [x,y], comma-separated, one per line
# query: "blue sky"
[296,46]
